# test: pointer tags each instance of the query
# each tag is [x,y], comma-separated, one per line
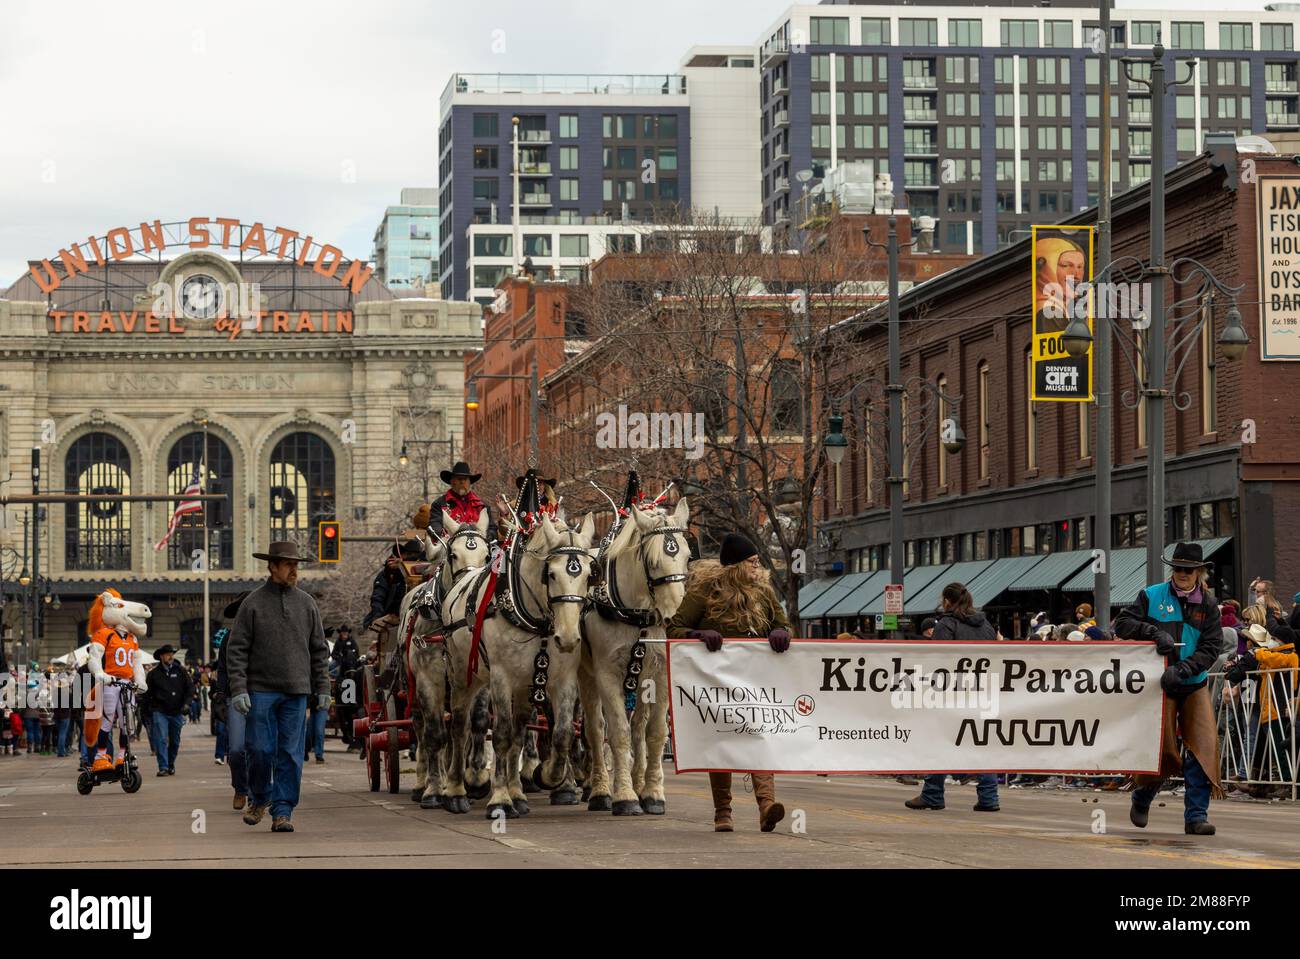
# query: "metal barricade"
[1257,731]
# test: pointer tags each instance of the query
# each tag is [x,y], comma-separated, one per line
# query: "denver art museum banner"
[1061,260]
[876,707]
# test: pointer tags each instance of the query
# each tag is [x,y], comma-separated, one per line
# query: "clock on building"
[201,297]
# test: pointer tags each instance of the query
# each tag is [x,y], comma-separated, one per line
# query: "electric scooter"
[127,772]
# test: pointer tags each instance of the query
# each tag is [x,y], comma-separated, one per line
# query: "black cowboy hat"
[460,469]
[162,651]
[282,550]
[232,608]
[1186,556]
[345,628]
[411,549]
[519,482]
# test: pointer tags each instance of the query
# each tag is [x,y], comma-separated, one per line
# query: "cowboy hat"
[519,482]
[1258,635]
[460,469]
[232,608]
[282,550]
[163,650]
[1186,556]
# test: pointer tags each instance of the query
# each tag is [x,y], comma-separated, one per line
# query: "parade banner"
[829,706]
[1060,263]
[1279,267]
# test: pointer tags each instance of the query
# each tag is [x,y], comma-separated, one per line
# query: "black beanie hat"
[736,549]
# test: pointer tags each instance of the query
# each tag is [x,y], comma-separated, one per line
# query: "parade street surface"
[186,820]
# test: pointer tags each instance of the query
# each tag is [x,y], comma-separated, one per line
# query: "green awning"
[986,587]
[1123,590]
[810,591]
[914,581]
[841,587]
[927,599]
[866,590]
[1054,570]
[1123,563]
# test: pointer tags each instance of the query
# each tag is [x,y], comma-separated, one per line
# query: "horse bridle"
[670,548]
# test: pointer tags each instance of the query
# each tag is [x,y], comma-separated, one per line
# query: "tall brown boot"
[770,812]
[720,783]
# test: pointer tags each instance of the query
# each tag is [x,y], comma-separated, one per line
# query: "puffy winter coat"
[972,627]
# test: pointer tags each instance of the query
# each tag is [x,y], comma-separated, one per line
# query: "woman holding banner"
[734,597]
[1181,617]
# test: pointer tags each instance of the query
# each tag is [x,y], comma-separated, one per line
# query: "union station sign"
[209,290]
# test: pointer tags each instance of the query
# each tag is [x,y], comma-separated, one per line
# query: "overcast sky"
[307,115]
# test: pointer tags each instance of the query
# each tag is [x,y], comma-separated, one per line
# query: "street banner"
[829,706]
[1279,267]
[1060,263]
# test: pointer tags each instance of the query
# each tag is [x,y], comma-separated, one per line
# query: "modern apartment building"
[600,157]
[405,252]
[988,116]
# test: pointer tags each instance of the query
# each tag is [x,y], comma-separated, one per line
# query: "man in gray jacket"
[276,657]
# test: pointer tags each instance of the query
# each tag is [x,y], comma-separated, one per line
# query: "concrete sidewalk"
[187,820]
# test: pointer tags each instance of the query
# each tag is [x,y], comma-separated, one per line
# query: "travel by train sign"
[201,233]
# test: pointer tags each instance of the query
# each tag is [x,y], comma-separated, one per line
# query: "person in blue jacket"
[1181,616]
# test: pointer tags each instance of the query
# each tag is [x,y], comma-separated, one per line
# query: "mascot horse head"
[111,610]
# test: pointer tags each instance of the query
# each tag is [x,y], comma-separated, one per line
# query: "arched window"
[97,535]
[183,464]
[302,488]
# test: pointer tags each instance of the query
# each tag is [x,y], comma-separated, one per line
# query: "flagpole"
[207,605]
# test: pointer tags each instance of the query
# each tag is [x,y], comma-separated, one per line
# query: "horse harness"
[607,602]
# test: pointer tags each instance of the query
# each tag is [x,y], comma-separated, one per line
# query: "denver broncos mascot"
[116,627]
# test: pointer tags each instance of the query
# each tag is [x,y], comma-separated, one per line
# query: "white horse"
[465,547]
[530,652]
[645,583]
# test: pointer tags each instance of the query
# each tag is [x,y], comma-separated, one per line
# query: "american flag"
[184,508]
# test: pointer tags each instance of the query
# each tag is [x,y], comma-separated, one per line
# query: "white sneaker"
[220,762]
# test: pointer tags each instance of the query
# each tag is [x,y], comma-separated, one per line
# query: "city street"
[187,820]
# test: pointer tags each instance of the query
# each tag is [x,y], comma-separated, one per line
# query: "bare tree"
[711,325]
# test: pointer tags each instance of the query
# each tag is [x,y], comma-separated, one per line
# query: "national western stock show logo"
[747,710]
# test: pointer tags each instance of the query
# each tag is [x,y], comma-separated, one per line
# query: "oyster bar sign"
[231,308]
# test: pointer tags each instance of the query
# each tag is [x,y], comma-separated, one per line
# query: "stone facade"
[397,375]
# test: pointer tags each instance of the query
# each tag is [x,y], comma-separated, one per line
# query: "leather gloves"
[1173,677]
[779,639]
[711,638]
[1165,644]
[323,701]
[243,704]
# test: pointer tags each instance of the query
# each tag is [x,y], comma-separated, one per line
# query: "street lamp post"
[1190,313]
[471,402]
[403,459]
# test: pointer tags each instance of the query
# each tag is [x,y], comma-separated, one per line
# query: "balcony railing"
[780,154]
[534,136]
[777,51]
[921,182]
[1280,86]
[535,199]
[637,84]
[535,169]
[1282,120]
[779,86]
[924,148]
[921,116]
[920,82]
[1139,118]
[782,184]
[781,118]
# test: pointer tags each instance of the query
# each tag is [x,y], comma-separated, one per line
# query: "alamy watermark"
[651,431]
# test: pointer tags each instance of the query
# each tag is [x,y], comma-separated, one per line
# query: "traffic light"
[329,541]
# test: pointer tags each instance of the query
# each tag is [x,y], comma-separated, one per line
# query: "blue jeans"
[277,727]
[223,745]
[61,735]
[167,737]
[32,727]
[316,731]
[1196,797]
[237,745]
[986,789]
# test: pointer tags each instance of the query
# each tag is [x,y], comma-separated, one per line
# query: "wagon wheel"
[394,757]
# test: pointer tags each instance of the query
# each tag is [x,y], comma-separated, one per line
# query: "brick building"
[1011,514]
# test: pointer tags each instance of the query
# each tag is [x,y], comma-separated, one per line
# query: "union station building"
[121,352]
